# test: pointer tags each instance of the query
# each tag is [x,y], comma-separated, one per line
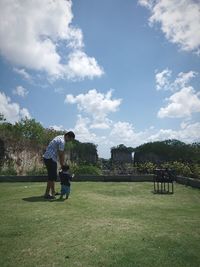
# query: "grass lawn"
[100,225]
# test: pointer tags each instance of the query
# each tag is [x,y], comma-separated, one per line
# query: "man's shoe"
[49,197]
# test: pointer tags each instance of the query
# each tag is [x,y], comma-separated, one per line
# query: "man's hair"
[70,134]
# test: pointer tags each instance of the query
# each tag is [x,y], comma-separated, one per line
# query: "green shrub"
[147,167]
[181,168]
[8,171]
[195,168]
[37,171]
[85,169]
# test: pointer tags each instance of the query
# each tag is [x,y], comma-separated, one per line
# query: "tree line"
[29,132]
[174,153]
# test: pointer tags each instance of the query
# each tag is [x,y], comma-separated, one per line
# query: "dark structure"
[121,154]
[163,181]
[81,152]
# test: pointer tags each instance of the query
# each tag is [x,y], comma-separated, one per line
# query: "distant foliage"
[168,150]
[180,168]
[27,130]
[85,169]
[37,171]
[123,148]
[82,153]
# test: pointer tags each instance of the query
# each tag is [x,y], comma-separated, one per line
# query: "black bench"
[163,180]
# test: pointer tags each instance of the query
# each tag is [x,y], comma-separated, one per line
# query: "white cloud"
[24,113]
[12,111]
[184,101]
[32,33]
[82,130]
[80,65]
[23,73]
[57,127]
[20,91]
[84,133]
[104,124]
[181,104]
[97,105]
[179,21]
[125,133]
[163,80]
[183,79]
[188,133]
[145,3]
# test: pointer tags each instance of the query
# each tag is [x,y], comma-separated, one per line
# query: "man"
[54,151]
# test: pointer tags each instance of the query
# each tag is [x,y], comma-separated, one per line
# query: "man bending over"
[54,151]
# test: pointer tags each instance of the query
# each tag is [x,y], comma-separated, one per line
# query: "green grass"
[101,225]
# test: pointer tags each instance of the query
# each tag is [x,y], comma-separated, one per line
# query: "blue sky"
[112,71]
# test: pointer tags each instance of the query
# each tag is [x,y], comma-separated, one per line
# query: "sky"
[113,71]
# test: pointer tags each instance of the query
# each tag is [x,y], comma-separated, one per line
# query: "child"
[65,179]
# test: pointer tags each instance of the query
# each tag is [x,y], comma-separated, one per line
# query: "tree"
[31,130]
[168,150]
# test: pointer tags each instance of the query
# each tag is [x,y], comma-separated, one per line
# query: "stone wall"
[121,156]
[22,157]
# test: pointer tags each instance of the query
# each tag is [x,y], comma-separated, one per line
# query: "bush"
[147,167]
[8,171]
[85,169]
[180,168]
[37,171]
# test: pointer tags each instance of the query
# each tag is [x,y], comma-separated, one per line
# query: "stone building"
[121,154]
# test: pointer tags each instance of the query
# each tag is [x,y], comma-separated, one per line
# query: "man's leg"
[52,176]
[48,188]
[52,187]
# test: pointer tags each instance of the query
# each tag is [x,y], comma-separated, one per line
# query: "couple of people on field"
[53,153]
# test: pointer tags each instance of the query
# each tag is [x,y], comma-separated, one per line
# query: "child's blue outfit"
[65,179]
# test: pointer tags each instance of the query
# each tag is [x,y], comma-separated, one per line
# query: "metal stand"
[164,181]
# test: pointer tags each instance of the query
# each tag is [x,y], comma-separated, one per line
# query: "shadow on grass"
[41,199]
[35,199]
[162,193]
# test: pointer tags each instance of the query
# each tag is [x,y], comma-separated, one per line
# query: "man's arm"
[61,157]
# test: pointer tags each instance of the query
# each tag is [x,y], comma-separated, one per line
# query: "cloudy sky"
[113,71]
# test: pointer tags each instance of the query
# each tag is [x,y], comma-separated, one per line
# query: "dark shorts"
[51,169]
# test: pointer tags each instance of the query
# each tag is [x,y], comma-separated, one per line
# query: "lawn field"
[100,225]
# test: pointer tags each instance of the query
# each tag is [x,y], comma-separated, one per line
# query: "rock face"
[121,156]
[141,157]
[21,157]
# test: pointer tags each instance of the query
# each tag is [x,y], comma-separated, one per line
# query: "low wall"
[188,181]
[82,178]
[103,178]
